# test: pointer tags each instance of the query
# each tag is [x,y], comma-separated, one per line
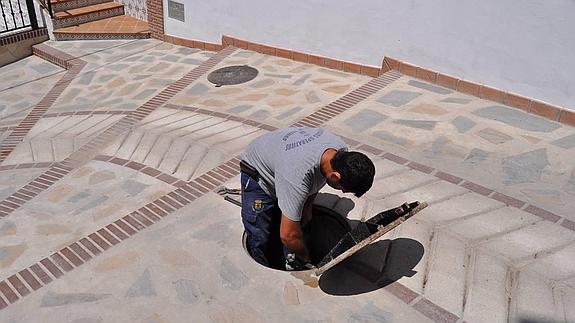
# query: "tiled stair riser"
[73,4]
[93,16]
[99,36]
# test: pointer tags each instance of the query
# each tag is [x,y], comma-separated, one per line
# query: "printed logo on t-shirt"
[307,138]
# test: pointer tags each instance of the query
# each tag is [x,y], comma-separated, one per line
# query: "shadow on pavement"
[373,267]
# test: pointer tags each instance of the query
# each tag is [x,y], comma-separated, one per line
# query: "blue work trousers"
[261,217]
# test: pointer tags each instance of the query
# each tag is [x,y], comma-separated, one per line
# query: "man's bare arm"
[307,209]
[292,238]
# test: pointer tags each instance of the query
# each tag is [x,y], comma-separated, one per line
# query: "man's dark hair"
[356,170]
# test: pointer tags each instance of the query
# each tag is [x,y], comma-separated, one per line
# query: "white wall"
[527,47]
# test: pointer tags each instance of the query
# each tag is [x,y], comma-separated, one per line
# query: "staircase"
[95,19]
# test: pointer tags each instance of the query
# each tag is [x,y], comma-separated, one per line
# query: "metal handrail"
[13,15]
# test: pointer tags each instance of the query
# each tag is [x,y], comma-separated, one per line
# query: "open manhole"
[324,231]
[231,75]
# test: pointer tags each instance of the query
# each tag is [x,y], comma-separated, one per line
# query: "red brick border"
[546,110]
[193,43]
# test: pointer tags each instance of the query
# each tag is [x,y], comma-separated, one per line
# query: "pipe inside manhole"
[322,233]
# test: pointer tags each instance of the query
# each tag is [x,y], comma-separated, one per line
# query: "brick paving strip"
[89,150]
[79,252]
[73,67]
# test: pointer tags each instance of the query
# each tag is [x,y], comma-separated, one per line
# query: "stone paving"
[132,230]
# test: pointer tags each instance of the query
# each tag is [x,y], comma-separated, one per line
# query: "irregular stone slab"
[52,229]
[187,51]
[117,67]
[44,68]
[261,60]
[384,135]
[312,97]
[567,142]
[240,108]
[252,97]
[456,100]
[216,232]
[87,320]
[263,83]
[232,277]
[429,87]
[364,120]
[323,81]
[158,67]
[133,187]
[332,72]
[516,118]
[289,113]
[8,254]
[51,299]
[101,176]
[243,54]
[93,204]
[290,294]
[286,92]
[8,229]
[280,103]
[187,291]
[198,89]
[429,109]
[371,313]
[260,115]
[171,58]
[77,197]
[301,80]
[143,286]
[419,124]
[398,98]
[476,156]
[436,147]
[144,94]
[280,76]
[463,124]
[192,61]
[338,89]
[494,136]
[526,167]
[570,186]
[106,78]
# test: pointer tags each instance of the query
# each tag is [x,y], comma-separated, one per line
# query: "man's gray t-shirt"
[288,161]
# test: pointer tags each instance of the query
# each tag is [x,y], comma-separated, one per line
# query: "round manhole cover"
[231,75]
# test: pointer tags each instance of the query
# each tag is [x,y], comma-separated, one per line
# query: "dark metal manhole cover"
[231,75]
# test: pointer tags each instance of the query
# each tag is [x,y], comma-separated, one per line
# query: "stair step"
[86,14]
[118,27]
[63,5]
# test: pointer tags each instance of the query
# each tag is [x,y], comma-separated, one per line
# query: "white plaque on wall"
[176,10]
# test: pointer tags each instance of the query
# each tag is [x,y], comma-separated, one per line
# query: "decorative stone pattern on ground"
[475,248]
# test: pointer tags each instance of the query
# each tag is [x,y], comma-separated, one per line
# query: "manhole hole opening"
[231,75]
[324,231]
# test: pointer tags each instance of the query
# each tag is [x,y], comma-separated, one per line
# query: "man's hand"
[292,238]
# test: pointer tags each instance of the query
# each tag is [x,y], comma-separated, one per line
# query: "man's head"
[352,172]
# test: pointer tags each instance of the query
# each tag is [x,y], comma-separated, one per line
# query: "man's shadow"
[372,267]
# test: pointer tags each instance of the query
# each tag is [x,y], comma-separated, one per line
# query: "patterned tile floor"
[112,25]
[137,234]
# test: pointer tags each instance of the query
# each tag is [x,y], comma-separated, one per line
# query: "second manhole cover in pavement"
[231,75]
